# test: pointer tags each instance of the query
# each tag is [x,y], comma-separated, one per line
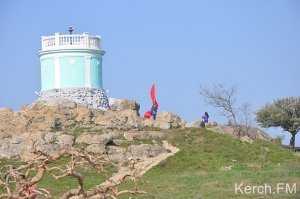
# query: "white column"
[57,72]
[86,39]
[88,81]
[56,36]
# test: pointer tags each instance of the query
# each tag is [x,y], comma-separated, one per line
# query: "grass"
[198,170]
[58,187]
[207,166]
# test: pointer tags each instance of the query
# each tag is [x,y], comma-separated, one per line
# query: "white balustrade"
[74,41]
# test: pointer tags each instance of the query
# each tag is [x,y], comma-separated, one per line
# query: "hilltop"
[177,159]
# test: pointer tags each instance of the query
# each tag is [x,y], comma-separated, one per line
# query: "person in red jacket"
[152,112]
[148,114]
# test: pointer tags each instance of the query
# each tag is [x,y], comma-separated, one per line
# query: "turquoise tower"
[71,61]
[71,67]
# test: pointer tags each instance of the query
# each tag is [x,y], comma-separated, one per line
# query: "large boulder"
[50,137]
[65,140]
[96,148]
[125,119]
[35,137]
[89,138]
[123,104]
[166,120]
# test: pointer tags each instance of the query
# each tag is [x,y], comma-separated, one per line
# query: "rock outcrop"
[52,124]
[246,134]
[62,114]
[65,115]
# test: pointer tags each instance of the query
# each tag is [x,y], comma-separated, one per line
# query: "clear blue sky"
[178,45]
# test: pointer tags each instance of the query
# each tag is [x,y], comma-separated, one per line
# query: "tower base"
[93,98]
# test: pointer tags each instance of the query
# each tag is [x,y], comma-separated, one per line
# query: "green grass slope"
[213,165]
[209,165]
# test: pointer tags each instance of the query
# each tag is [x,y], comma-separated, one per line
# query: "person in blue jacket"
[204,119]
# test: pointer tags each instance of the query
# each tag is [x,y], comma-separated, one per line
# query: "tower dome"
[71,67]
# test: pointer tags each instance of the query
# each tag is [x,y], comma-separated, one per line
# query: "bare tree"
[245,121]
[19,182]
[221,97]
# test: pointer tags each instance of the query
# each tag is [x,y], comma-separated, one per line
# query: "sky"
[177,44]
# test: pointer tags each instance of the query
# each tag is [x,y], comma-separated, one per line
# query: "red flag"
[152,94]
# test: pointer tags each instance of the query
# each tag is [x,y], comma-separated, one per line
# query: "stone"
[123,104]
[96,148]
[16,140]
[88,138]
[116,154]
[9,150]
[252,133]
[167,117]
[83,115]
[148,122]
[194,124]
[35,137]
[143,151]
[65,140]
[125,119]
[50,137]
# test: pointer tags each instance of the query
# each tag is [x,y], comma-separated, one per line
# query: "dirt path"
[142,166]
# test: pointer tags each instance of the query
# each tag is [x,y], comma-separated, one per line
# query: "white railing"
[76,41]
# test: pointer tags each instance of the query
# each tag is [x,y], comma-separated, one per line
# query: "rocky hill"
[190,161]
[52,124]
